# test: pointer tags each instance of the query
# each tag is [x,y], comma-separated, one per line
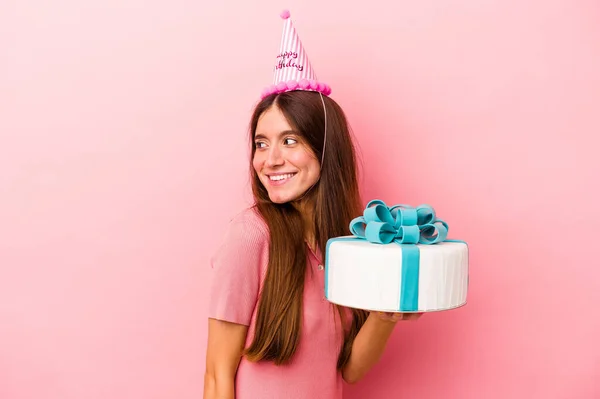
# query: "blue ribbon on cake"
[406,226]
[400,223]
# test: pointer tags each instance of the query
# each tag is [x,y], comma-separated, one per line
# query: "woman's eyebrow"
[262,136]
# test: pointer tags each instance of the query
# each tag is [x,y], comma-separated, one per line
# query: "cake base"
[401,311]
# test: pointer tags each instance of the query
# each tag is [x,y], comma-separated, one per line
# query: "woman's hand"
[371,341]
[394,317]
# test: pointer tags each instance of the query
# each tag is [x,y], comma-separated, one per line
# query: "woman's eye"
[259,144]
[290,141]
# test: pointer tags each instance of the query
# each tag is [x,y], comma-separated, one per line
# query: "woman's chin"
[281,198]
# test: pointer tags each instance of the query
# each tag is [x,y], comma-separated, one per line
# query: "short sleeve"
[238,266]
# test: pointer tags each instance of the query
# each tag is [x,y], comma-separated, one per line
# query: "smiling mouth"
[280,178]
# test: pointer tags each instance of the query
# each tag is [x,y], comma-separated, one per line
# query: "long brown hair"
[335,201]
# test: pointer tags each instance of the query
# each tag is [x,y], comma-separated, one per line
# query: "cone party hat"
[293,70]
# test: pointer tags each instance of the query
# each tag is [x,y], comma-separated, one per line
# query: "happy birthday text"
[286,60]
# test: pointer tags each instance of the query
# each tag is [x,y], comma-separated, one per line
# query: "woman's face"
[285,165]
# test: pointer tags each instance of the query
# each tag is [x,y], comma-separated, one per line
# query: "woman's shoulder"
[239,265]
[244,241]
[249,224]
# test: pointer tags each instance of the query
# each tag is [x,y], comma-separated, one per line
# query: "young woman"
[271,332]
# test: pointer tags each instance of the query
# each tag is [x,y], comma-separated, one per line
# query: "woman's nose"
[274,157]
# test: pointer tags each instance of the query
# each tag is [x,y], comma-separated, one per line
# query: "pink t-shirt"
[239,267]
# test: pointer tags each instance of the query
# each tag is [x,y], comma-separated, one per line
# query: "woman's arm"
[370,343]
[224,351]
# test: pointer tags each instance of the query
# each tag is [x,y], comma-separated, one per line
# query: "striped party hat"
[293,70]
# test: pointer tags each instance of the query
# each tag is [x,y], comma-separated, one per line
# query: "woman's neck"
[306,210]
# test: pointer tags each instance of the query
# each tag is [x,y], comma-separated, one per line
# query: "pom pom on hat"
[292,85]
[285,14]
[304,84]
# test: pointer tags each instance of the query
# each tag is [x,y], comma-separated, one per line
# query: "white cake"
[396,275]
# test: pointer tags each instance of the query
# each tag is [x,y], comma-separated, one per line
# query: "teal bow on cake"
[402,224]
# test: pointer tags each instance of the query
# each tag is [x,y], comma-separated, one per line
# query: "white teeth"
[281,177]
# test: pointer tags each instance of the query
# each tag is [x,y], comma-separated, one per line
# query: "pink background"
[123,154]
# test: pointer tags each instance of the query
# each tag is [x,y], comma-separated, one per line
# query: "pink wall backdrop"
[123,155]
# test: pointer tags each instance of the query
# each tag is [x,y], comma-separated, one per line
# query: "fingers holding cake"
[397,316]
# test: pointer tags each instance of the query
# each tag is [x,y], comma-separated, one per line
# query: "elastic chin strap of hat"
[322,152]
